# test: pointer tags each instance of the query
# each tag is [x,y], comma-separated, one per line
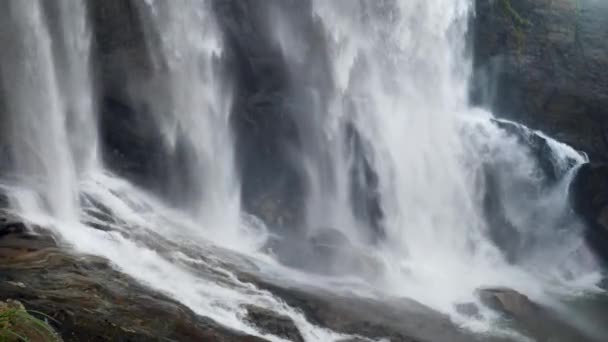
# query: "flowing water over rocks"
[281,170]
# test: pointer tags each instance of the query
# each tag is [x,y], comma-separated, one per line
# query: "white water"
[39,146]
[192,101]
[398,76]
[49,104]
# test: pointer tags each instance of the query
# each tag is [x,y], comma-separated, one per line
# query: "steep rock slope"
[545,63]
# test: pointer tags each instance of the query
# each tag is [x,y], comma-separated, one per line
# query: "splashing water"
[399,79]
[192,103]
[460,200]
[61,182]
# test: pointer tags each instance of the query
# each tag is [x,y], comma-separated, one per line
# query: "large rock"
[508,301]
[531,319]
[87,300]
[589,197]
[326,251]
[273,323]
[545,63]
[394,319]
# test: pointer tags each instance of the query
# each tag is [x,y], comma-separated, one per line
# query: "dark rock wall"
[545,63]
[589,197]
[540,62]
[263,129]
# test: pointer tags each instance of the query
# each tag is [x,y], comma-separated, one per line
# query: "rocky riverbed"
[86,299]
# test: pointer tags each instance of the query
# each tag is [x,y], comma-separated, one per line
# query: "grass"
[18,325]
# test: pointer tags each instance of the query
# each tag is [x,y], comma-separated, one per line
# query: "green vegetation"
[519,23]
[17,325]
[517,18]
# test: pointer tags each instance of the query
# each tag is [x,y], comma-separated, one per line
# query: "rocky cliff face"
[545,63]
[540,62]
[263,127]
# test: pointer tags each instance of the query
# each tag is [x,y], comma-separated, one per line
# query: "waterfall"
[57,180]
[49,110]
[395,77]
[439,197]
[191,102]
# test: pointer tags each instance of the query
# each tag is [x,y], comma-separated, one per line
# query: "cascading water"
[57,180]
[441,197]
[399,76]
[47,92]
[191,103]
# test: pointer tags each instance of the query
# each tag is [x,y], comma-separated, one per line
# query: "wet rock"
[272,323]
[4,200]
[589,198]
[392,319]
[544,63]
[329,237]
[508,301]
[338,256]
[87,300]
[529,318]
[467,309]
[538,147]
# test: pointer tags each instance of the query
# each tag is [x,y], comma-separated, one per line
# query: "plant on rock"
[17,325]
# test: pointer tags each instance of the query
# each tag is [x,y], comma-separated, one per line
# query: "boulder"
[526,317]
[377,319]
[508,301]
[86,299]
[15,321]
[273,323]
[589,198]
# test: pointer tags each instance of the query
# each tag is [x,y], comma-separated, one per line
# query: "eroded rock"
[544,63]
[508,301]
[589,198]
[273,323]
[530,319]
[88,300]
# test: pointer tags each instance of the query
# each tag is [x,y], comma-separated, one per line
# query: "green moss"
[18,325]
[519,24]
[517,18]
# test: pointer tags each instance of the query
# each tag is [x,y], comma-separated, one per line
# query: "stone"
[86,300]
[545,64]
[273,323]
[589,198]
[507,301]
[526,317]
